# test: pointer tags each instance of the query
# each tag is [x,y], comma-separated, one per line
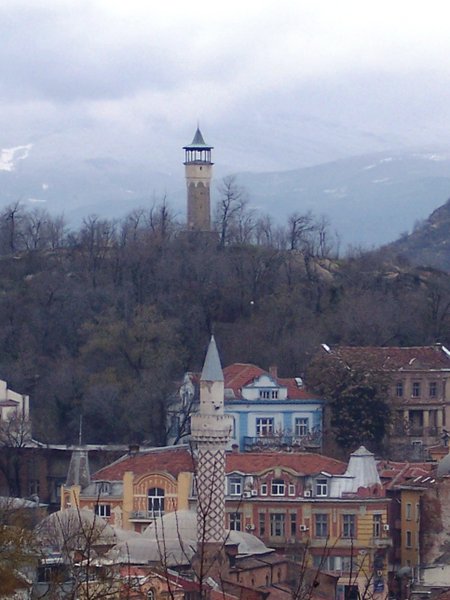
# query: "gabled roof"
[393,358]
[303,463]
[393,474]
[239,375]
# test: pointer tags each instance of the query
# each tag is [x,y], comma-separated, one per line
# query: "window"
[321,525]
[301,426]
[103,510]
[321,487]
[377,525]
[399,389]
[156,502]
[291,489]
[151,594]
[277,488]
[236,521]
[263,489]
[234,486]
[408,539]
[264,394]
[103,488]
[262,524]
[274,394]
[348,526]
[264,426]
[277,523]
[33,487]
[417,512]
[432,389]
[408,512]
[416,389]
[293,524]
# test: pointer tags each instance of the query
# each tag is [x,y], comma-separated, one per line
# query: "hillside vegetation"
[102,321]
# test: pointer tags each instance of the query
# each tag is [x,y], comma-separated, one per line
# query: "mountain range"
[368,200]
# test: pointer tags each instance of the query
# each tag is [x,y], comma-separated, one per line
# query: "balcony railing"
[145,515]
[279,441]
[413,430]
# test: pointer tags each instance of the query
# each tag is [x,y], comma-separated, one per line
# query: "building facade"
[418,389]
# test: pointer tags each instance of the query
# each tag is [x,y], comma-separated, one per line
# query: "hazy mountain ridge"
[368,200]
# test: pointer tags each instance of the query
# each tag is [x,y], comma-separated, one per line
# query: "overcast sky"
[274,85]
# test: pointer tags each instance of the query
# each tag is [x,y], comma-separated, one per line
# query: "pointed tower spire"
[212,369]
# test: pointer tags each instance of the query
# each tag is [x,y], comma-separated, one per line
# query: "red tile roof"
[394,357]
[173,460]
[178,459]
[399,473]
[304,463]
[239,375]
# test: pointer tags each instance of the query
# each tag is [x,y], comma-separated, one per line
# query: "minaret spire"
[198,171]
[211,430]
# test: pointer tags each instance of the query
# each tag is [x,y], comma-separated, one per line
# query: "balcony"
[413,430]
[145,515]
[312,440]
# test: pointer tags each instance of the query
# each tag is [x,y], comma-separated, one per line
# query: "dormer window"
[274,394]
[234,486]
[278,487]
[264,394]
[321,487]
[103,488]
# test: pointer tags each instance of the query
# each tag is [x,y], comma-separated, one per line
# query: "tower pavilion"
[198,172]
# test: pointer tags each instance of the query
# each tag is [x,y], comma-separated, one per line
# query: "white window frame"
[263,489]
[234,485]
[278,487]
[321,487]
[291,489]
[301,424]
[265,426]
[103,510]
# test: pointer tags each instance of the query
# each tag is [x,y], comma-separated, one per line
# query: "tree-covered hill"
[103,320]
[429,243]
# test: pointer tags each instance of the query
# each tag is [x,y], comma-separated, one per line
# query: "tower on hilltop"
[198,171]
[210,432]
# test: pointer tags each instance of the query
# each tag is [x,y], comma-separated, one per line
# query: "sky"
[273,85]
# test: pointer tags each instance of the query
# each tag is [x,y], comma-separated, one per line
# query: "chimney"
[273,371]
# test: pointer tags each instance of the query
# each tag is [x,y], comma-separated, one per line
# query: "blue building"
[270,412]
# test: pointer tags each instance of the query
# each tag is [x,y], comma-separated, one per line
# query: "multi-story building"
[269,412]
[294,502]
[418,389]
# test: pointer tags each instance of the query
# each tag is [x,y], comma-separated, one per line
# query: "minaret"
[211,430]
[198,171]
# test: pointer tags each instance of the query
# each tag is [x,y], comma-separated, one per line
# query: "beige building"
[13,404]
[418,389]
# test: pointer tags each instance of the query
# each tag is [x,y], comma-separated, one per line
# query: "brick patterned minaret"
[211,430]
[198,180]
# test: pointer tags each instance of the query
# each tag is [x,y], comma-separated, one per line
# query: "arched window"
[151,594]
[156,502]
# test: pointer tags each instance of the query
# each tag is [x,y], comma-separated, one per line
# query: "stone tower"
[198,169]
[211,430]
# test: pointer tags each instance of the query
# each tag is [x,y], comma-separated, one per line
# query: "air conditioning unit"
[307,493]
[247,495]
[303,528]
[250,527]
[386,527]
[254,492]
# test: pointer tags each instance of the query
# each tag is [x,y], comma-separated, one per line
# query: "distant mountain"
[369,200]
[429,243]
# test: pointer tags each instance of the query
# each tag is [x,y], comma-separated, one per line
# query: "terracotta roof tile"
[301,462]
[395,357]
[173,459]
[177,459]
[238,375]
